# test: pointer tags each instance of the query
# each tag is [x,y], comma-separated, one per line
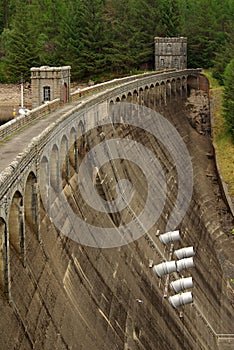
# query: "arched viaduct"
[59,149]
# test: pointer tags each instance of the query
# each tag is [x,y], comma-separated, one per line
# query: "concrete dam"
[87,188]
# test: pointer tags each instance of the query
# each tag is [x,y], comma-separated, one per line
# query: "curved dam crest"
[59,294]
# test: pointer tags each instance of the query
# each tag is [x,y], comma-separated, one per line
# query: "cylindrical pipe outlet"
[181,299]
[170,236]
[164,268]
[182,284]
[184,252]
[184,264]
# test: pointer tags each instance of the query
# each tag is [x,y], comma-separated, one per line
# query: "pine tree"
[143,32]
[225,49]
[18,43]
[169,18]
[46,28]
[118,33]
[101,37]
[229,96]
[83,38]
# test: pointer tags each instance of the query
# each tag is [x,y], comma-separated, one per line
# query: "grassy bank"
[221,138]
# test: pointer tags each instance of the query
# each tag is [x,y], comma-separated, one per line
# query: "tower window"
[46,93]
[176,63]
[169,48]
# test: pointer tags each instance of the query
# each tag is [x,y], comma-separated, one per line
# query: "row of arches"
[63,157]
[23,206]
[157,94]
[61,161]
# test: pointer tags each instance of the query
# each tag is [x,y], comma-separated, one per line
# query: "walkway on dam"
[10,148]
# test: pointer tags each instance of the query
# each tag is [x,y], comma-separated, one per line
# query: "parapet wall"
[16,124]
[19,122]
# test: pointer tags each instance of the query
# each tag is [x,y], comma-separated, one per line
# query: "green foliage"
[20,49]
[99,37]
[229,96]
[3,76]
[224,54]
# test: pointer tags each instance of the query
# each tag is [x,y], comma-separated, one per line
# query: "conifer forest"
[103,39]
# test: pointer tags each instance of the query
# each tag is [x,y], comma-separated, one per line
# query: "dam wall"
[61,294]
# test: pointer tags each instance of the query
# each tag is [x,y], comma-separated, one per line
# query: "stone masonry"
[170,53]
[49,83]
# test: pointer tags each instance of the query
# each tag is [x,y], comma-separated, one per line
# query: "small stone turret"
[170,53]
[49,83]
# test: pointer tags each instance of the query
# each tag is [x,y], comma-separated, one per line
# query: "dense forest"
[101,39]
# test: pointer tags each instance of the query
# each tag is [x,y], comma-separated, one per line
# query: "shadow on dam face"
[156,167]
[86,297]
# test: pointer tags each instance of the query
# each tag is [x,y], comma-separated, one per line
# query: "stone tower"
[170,53]
[49,83]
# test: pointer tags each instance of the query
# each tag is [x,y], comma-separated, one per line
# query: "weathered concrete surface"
[74,297]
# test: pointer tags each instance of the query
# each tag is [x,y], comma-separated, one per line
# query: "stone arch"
[123,98]
[117,110]
[64,160]
[152,96]
[184,88]
[4,259]
[73,151]
[163,98]
[141,96]
[178,86]
[80,143]
[16,225]
[54,167]
[135,97]
[146,96]
[45,183]
[173,89]
[128,109]
[31,211]
[168,90]
[129,97]
[122,109]
[157,94]
[111,111]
